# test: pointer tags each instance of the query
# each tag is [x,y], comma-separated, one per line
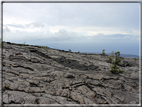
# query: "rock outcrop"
[41,75]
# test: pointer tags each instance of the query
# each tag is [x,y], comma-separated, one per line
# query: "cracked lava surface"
[37,75]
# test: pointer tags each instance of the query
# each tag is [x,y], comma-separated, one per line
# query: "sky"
[84,27]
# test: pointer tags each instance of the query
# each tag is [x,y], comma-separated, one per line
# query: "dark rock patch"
[75,64]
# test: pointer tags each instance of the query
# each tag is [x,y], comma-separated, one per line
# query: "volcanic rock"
[42,75]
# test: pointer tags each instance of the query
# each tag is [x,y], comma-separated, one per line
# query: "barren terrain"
[41,75]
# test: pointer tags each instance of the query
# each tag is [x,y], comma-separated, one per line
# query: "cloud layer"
[71,23]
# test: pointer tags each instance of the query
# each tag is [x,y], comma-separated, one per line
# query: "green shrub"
[41,46]
[111,57]
[69,50]
[103,52]
[135,58]
[6,86]
[46,47]
[115,69]
[95,54]
[115,60]
[2,43]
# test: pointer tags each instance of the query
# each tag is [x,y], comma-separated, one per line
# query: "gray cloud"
[82,19]
[6,29]
[118,36]
[121,15]
[124,15]
[35,24]
[63,35]
[16,26]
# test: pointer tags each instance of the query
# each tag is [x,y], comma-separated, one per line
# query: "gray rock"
[39,75]
[69,75]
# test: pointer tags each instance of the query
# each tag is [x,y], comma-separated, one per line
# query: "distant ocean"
[121,55]
[127,55]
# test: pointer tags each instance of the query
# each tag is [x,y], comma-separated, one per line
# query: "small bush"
[41,46]
[6,86]
[95,54]
[115,60]
[46,47]
[135,58]
[115,69]
[103,52]
[111,57]
[2,43]
[69,50]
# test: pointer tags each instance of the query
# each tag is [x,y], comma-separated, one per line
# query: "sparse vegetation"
[69,50]
[115,69]
[38,56]
[22,44]
[2,43]
[6,86]
[103,52]
[44,47]
[115,60]
[136,58]
[95,54]
[111,57]
[40,46]
[15,43]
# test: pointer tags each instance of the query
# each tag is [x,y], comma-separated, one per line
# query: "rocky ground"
[41,75]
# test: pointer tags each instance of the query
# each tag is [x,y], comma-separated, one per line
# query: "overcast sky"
[84,27]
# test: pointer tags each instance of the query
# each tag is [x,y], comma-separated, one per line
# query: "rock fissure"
[24,67]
